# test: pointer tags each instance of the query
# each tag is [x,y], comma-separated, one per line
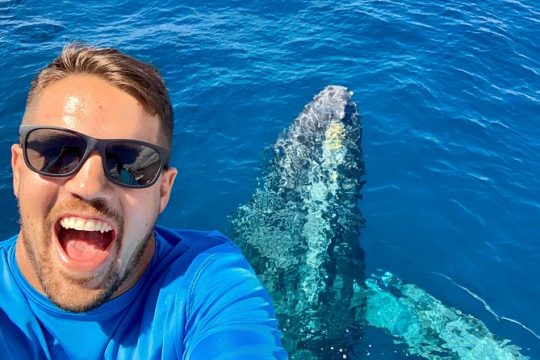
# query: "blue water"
[449,94]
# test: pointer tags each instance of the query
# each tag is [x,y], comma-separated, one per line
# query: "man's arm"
[229,313]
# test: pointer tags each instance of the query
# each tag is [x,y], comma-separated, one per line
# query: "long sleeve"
[229,313]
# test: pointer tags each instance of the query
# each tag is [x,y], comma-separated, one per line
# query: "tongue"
[85,245]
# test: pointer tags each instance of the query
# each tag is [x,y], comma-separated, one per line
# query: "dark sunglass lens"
[54,152]
[132,164]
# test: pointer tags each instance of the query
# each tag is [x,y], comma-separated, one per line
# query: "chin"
[76,297]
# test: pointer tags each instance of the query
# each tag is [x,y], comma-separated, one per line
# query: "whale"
[301,232]
[301,227]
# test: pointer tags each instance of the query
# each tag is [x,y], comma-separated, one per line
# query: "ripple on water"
[38,30]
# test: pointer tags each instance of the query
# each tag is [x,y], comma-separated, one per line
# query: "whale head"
[326,133]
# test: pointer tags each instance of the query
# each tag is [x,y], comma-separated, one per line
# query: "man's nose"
[90,182]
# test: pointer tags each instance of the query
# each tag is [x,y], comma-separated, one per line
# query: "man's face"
[78,270]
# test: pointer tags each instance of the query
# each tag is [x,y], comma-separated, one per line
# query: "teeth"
[84,224]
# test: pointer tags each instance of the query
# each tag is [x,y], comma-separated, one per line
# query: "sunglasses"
[58,152]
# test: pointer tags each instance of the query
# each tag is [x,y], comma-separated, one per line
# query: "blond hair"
[140,80]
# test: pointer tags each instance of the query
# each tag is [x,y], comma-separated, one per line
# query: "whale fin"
[428,327]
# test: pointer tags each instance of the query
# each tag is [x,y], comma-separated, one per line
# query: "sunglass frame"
[92,144]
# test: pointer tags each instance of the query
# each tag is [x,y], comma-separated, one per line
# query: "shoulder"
[7,248]
[7,243]
[7,264]
[189,238]
[201,255]
[190,247]
[214,270]
[200,258]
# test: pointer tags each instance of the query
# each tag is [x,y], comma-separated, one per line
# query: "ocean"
[449,98]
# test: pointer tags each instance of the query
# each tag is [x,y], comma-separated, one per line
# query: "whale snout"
[332,104]
[335,93]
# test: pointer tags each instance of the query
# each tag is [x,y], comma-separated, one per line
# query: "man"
[89,275]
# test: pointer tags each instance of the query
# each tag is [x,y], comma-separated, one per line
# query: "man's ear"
[166,187]
[17,162]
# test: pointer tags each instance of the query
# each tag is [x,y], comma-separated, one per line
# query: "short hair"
[139,79]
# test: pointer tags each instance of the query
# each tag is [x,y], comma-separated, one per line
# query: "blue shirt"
[198,299]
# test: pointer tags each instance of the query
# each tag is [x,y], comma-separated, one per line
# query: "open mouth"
[85,240]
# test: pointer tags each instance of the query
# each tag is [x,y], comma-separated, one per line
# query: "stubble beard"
[75,294]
